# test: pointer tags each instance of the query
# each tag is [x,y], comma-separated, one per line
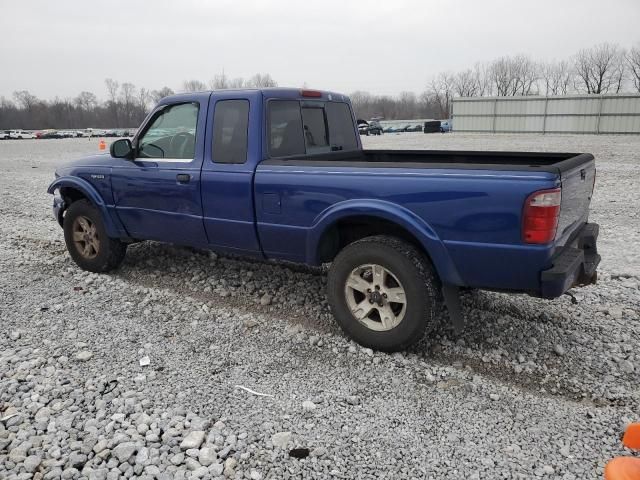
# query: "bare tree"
[633,64]
[483,79]
[219,82]
[143,100]
[361,102]
[86,101]
[407,105]
[599,69]
[261,80]
[556,77]
[25,99]
[501,76]
[526,75]
[514,75]
[112,103]
[112,89]
[440,91]
[128,101]
[193,86]
[466,83]
[128,93]
[237,82]
[6,104]
[157,95]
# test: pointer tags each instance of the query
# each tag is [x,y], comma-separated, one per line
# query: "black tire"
[110,252]
[414,273]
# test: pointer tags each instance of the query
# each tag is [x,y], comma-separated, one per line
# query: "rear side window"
[310,127]
[285,128]
[341,131]
[314,123]
[230,123]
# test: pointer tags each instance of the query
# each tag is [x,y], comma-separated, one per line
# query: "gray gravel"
[530,389]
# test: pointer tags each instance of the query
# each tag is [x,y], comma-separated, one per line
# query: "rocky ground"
[154,371]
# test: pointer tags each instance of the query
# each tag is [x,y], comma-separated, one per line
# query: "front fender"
[91,194]
[392,212]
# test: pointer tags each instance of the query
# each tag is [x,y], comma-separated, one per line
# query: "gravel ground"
[136,373]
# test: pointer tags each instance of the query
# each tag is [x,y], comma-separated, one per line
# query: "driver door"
[157,195]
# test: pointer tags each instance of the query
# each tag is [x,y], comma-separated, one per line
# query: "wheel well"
[348,230]
[71,195]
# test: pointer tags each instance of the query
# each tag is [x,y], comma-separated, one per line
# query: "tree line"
[603,68]
[125,105]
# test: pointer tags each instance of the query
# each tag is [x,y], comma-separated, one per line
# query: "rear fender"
[391,212]
[84,187]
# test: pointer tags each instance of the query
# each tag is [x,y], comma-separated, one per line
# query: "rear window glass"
[314,124]
[230,123]
[310,127]
[341,132]
[285,128]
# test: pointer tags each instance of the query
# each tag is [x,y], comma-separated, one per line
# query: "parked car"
[5,134]
[445,126]
[94,132]
[369,128]
[375,128]
[21,134]
[44,134]
[413,128]
[431,126]
[280,174]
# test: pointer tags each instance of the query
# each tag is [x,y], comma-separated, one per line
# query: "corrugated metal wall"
[561,114]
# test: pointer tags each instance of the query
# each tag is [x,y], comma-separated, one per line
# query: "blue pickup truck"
[281,174]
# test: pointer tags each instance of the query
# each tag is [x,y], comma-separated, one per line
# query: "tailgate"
[577,176]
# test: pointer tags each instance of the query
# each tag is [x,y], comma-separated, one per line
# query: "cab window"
[230,124]
[171,134]
[285,128]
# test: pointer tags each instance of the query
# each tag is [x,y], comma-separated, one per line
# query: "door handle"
[183,178]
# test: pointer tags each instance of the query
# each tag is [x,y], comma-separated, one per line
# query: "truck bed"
[514,161]
[476,213]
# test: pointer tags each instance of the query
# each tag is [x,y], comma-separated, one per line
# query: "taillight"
[540,216]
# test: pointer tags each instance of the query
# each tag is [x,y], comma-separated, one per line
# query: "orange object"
[102,145]
[622,468]
[631,438]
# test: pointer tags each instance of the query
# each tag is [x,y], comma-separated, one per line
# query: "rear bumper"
[575,265]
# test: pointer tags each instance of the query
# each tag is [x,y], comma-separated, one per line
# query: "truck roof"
[267,92]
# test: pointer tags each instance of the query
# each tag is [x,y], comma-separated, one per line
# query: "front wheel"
[383,293]
[87,240]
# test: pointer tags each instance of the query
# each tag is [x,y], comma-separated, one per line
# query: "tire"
[83,225]
[409,269]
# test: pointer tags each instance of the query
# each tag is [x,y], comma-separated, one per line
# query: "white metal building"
[593,114]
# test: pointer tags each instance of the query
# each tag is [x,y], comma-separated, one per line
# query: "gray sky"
[63,47]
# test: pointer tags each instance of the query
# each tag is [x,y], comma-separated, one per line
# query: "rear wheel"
[383,293]
[87,241]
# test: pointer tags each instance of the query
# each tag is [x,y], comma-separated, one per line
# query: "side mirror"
[122,148]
